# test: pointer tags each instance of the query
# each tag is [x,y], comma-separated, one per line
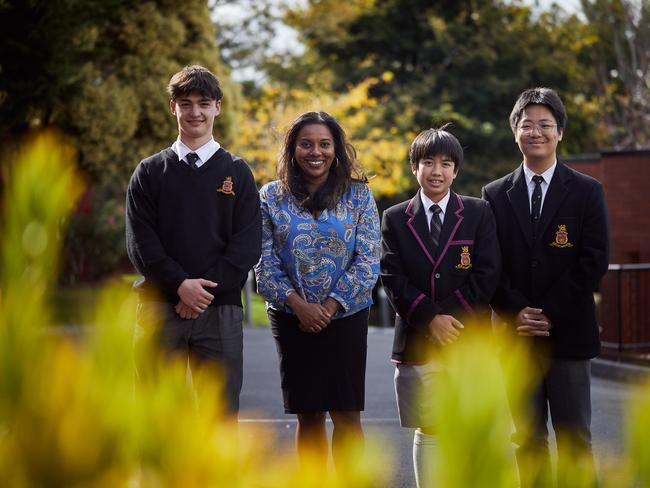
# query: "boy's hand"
[193,294]
[185,311]
[444,329]
[532,322]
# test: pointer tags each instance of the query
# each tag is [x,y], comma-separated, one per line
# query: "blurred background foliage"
[93,410]
[97,71]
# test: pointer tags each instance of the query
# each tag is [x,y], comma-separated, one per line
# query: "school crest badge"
[561,237]
[226,186]
[465,259]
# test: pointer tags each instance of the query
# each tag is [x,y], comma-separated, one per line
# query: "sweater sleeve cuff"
[176,282]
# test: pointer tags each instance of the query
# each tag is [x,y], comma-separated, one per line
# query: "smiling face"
[435,174]
[314,154]
[195,115]
[537,136]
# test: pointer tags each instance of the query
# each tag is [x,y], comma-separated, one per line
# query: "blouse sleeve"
[356,283]
[272,282]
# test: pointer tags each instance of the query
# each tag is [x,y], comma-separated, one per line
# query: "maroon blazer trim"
[413,305]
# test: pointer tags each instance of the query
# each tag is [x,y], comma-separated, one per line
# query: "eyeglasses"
[544,128]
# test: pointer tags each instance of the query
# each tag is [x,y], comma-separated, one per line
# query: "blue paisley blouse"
[335,255]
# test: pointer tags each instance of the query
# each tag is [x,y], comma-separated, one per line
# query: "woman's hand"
[332,306]
[313,317]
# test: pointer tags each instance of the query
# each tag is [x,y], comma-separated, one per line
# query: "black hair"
[539,96]
[436,142]
[341,171]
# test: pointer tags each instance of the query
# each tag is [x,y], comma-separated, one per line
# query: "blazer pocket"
[461,258]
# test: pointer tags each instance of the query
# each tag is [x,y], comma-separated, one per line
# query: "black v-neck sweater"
[192,223]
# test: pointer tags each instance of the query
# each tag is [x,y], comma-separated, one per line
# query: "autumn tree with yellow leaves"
[266,118]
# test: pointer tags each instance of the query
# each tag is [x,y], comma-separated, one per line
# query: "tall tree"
[462,61]
[245,30]
[620,51]
[98,70]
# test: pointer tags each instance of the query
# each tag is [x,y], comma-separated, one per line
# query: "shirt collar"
[205,152]
[547,175]
[427,202]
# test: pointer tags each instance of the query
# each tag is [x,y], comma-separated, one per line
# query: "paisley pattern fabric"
[335,255]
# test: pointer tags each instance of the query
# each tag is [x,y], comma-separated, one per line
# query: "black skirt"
[323,371]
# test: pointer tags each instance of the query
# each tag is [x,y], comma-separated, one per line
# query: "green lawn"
[258,311]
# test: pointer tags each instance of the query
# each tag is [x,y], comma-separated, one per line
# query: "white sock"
[425,451]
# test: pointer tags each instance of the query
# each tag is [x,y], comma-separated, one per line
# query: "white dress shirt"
[530,184]
[427,202]
[205,152]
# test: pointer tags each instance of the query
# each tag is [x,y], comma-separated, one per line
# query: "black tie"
[536,201]
[436,225]
[192,158]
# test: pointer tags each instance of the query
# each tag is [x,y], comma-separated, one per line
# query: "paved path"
[261,401]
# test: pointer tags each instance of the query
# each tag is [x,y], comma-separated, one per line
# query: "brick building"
[625,290]
[626,178]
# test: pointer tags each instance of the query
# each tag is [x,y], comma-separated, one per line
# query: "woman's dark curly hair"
[341,174]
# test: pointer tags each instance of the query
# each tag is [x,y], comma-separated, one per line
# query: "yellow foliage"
[382,153]
[472,411]
[638,431]
[71,413]
[387,76]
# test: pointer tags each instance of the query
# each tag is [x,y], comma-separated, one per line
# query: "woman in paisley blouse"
[319,264]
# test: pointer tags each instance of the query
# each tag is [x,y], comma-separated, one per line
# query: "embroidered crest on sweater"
[226,186]
[561,237]
[465,259]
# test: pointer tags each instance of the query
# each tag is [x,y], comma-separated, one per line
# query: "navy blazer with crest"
[558,271]
[458,278]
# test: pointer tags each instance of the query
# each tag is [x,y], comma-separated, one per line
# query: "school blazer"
[458,278]
[559,271]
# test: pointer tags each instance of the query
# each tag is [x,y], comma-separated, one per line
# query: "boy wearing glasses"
[554,236]
[439,265]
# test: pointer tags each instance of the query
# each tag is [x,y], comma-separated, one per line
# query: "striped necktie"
[436,225]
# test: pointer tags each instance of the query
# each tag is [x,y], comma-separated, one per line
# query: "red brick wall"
[591,165]
[627,185]
[626,178]
[624,311]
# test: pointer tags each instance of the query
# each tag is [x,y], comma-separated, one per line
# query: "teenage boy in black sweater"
[193,230]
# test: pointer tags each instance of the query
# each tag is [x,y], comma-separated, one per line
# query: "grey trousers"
[564,390]
[215,337]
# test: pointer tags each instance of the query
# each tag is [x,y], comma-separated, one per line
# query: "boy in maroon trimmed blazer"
[440,263]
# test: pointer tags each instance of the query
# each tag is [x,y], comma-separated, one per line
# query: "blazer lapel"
[518,197]
[555,195]
[419,227]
